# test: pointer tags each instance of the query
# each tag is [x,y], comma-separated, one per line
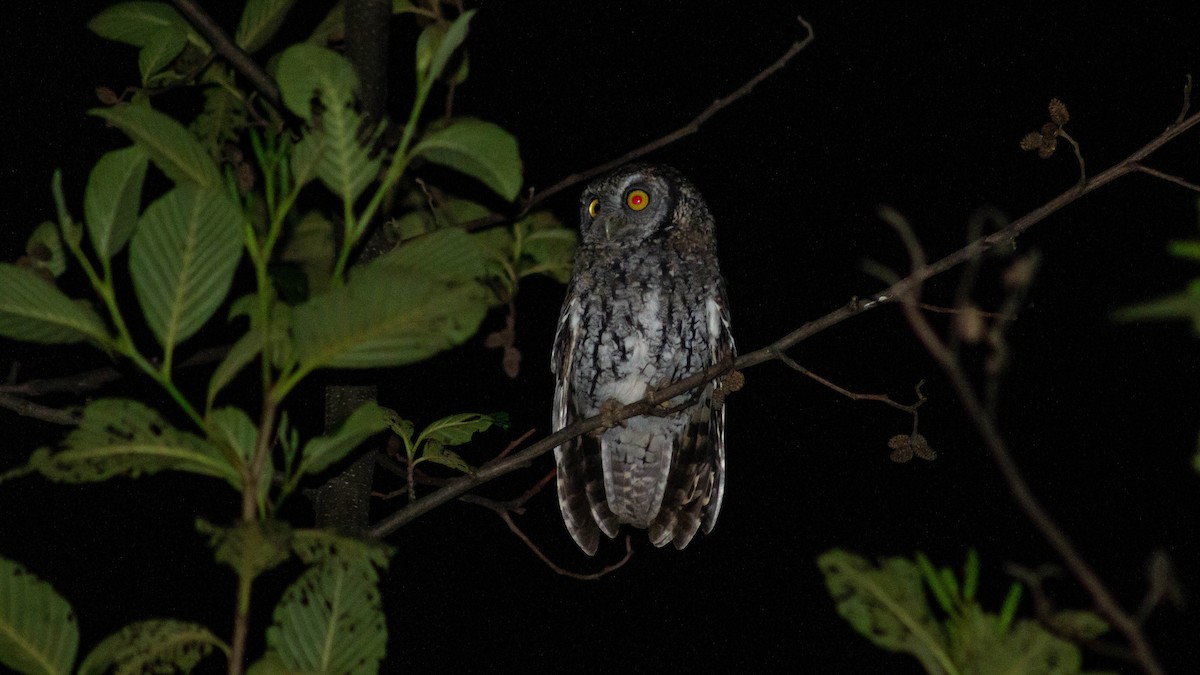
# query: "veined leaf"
[306,70]
[223,114]
[319,546]
[458,429]
[33,310]
[232,428]
[433,451]
[172,148]
[159,52]
[112,199]
[243,351]
[886,605]
[123,437]
[38,630]
[396,310]
[346,166]
[182,260]
[446,46]
[260,21]
[443,254]
[330,620]
[366,421]
[249,548]
[156,646]
[478,149]
[136,23]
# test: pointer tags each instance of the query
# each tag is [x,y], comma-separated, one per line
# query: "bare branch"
[658,143]
[986,425]
[1166,176]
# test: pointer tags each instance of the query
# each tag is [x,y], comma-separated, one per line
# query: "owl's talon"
[608,416]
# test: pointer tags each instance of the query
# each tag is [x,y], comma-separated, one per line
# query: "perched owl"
[646,307]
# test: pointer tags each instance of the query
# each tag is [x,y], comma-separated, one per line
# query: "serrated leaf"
[457,429]
[44,249]
[322,451]
[156,646]
[182,260]
[120,437]
[260,21]
[249,548]
[38,630]
[886,605]
[398,310]
[1027,649]
[112,198]
[136,23]
[346,166]
[399,426]
[33,310]
[330,620]
[159,52]
[433,451]
[306,71]
[478,149]
[314,546]
[171,147]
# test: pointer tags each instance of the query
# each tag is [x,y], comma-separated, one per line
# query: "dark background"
[918,109]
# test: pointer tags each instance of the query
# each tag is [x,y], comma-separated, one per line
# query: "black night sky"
[921,110]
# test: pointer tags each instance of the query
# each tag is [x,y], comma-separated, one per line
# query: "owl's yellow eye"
[594,208]
[637,199]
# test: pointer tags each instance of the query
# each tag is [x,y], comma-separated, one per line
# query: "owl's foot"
[608,416]
[732,382]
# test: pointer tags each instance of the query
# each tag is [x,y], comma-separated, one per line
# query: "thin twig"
[235,55]
[1187,99]
[658,143]
[882,398]
[985,424]
[1166,176]
[559,570]
[38,411]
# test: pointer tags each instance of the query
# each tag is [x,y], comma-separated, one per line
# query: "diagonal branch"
[773,351]
[235,55]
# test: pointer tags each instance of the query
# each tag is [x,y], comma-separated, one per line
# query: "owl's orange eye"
[594,208]
[637,199]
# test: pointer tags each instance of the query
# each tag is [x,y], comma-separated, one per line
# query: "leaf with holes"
[120,437]
[156,646]
[306,71]
[330,620]
[38,630]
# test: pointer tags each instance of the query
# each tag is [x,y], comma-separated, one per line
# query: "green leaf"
[1009,609]
[548,248]
[136,23]
[233,429]
[478,149]
[44,250]
[243,351]
[38,631]
[223,113]
[159,52]
[970,575]
[310,246]
[120,437]
[404,307]
[366,421]
[172,148]
[400,426]
[887,605]
[260,21]
[182,260]
[447,44]
[249,548]
[1079,624]
[34,310]
[305,70]
[458,429]
[433,451]
[346,166]
[1184,305]
[1027,648]
[156,646]
[330,620]
[1189,249]
[314,546]
[112,199]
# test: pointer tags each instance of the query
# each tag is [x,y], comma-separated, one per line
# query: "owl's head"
[640,203]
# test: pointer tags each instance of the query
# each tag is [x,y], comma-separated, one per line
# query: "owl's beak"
[612,224]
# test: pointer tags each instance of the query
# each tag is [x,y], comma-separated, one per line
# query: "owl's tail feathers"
[581,495]
[697,467]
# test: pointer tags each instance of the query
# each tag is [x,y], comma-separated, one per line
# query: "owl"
[646,307]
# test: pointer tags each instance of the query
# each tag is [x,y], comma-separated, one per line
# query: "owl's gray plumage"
[646,307]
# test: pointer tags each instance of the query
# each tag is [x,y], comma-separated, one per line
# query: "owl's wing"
[580,471]
[696,483]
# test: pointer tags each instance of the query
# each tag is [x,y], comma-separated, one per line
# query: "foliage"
[282,198]
[888,604]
